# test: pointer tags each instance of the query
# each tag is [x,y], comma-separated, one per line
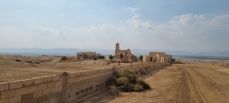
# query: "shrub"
[128,81]
[17,60]
[144,84]
[122,81]
[111,80]
[141,57]
[64,58]
[138,88]
[132,76]
[101,57]
[111,57]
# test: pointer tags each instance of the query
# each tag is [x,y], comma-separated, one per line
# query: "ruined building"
[158,57]
[124,56]
[87,56]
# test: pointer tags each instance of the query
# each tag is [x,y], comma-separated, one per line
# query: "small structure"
[124,56]
[158,57]
[87,56]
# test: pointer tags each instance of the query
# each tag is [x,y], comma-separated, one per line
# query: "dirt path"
[204,84]
[183,83]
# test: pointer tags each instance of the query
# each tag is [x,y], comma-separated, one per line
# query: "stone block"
[37,94]
[56,89]
[4,86]
[27,98]
[42,99]
[48,79]
[15,85]
[52,84]
[27,83]
[21,91]
[38,81]
[7,94]
[16,99]
[4,100]
[42,87]
[56,78]
[32,89]
[47,91]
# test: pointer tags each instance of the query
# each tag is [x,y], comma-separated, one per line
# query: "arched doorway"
[151,59]
[121,56]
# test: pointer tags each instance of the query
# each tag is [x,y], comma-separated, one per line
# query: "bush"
[123,81]
[132,76]
[64,58]
[111,57]
[111,80]
[128,81]
[144,84]
[141,57]
[138,88]
[101,57]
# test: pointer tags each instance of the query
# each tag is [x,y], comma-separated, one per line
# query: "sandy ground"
[181,83]
[11,69]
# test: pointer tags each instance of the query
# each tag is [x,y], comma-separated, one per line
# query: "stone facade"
[124,56]
[158,57]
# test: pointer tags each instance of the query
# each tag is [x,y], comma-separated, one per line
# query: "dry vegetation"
[128,80]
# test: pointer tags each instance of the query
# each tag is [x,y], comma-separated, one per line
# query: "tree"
[111,57]
[101,57]
[141,57]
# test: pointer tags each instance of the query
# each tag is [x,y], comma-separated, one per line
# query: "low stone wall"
[36,90]
[83,84]
[64,88]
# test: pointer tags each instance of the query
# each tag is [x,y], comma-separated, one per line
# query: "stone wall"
[64,88]
[36,90]
[83,84]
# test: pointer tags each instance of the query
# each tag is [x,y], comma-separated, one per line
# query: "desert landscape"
[187,81]
[114,51]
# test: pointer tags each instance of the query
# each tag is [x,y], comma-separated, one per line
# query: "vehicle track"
[202,84]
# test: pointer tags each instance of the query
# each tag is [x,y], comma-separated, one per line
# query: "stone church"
[158,57]
[124,56]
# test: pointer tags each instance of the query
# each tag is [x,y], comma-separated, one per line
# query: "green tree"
[111,57]
[141,57]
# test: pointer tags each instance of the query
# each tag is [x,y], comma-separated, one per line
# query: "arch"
[162,60]
[151,59]
[121,56]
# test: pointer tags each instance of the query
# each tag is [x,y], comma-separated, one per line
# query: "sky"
[181,25]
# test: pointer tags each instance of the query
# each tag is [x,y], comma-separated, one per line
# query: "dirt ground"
[192,82]
[21,67]
[181,83]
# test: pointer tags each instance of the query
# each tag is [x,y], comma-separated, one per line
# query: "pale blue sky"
[196,25]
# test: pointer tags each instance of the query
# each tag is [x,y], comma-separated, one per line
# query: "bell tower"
[117,48]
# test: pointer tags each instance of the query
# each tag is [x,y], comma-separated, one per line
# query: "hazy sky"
[183,25]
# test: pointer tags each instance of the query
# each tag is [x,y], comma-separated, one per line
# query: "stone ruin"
[87,55]
[158,57]
[124,56]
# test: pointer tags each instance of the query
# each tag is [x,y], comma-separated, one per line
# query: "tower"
[117,48]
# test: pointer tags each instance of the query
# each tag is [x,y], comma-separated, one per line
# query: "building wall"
[64,88]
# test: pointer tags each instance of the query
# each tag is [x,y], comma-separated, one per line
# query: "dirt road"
[184,83]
